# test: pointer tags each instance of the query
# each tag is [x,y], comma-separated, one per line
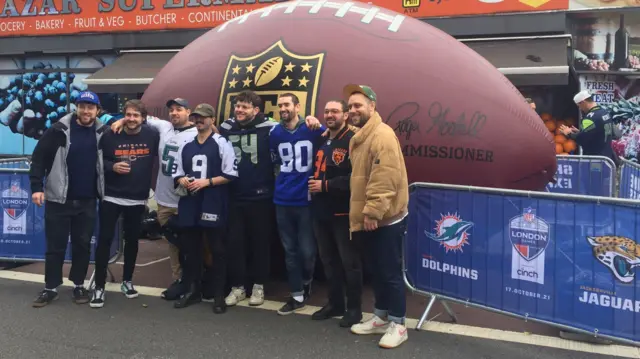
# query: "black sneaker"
[291,306]
[351,317]
[307,291]
[97,300]
[128,290]
[80,295]
[219,306]
[175,291]
[45,297]
[189,298]
[328,311]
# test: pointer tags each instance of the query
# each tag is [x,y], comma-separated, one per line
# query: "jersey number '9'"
[199,165]
[292,156]
[245,144]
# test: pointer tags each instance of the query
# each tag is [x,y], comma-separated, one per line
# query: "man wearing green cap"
[378,210]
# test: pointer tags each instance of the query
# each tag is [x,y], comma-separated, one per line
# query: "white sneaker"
[374,325]
[237,295]
[396,334]
[257,295]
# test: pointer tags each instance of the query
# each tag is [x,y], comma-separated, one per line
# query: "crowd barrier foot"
[445,305]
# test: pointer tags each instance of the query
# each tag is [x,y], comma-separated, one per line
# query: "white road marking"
[455,329]
[148,263]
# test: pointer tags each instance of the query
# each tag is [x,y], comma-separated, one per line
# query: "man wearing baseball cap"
[68,155]
[204,167]
[377,212]
[597,129]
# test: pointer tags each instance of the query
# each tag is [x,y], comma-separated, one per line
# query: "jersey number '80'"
[298,157]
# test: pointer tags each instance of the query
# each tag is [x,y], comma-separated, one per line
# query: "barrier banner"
[22,235]
[586,175]
[629,180]
[20,164]
[567,262]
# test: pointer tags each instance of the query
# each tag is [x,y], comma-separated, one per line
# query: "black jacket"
[333,167]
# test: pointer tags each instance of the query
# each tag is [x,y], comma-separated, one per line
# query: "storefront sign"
[596,4]
[57,17]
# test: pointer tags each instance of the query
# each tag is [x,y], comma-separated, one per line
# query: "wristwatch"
[211,182]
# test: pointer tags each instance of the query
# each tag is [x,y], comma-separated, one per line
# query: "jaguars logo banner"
[274,71]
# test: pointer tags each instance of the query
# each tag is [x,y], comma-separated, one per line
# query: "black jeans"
[193,246]
[132,225]
[251,225]
[75,220]
[341,260]
[384,247]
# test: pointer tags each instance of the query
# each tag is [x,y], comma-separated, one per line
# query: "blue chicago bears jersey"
[213,158]
[294,152]
[256,177]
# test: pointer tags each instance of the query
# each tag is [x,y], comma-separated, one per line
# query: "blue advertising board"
[629,180]
[22,223]
[586,175]
[564,261]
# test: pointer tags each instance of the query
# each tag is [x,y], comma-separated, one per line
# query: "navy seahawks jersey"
[294,152]
[213,158]
[256,177]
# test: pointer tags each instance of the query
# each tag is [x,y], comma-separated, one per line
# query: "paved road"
[126,329]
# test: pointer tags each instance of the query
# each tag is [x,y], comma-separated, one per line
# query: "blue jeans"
[296,233]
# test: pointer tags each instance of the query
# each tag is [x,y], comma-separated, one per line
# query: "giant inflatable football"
[459,120]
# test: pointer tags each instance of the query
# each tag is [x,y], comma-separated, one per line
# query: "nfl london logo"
[14,201]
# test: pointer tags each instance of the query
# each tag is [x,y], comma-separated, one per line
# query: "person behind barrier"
[531,103]
[291,142]
[69,157]
[128,165]
[173,135]
[597,129]
[204,167]
[378,211]
[329,189]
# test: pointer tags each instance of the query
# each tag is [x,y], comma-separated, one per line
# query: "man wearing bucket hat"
[377,213]
[69,157]
[597,129]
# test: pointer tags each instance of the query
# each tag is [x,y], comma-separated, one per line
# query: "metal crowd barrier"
[22,236]
[586,175]
[564,260]
[629,180]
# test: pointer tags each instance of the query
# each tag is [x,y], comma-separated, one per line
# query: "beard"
[363,118]
[333,124]
[286,116]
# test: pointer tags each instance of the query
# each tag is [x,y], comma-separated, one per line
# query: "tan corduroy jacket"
[379,186]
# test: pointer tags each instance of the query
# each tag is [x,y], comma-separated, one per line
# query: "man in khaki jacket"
[378,208]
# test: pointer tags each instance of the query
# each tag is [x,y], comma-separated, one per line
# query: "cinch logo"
[451,232]
[620,254]
[527,273]
[12,228]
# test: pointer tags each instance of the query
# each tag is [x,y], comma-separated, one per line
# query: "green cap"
[363,89]
[204,110]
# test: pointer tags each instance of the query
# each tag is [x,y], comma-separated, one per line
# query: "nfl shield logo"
[529,234]
[528,214]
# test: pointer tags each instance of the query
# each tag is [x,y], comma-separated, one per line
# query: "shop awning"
[526,61]
[132,72]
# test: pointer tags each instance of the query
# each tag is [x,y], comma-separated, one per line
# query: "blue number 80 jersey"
[294,151]
[213,158]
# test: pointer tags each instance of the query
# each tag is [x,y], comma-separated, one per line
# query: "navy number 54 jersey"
[213,158]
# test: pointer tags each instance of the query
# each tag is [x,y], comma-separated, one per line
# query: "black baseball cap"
[178,101]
